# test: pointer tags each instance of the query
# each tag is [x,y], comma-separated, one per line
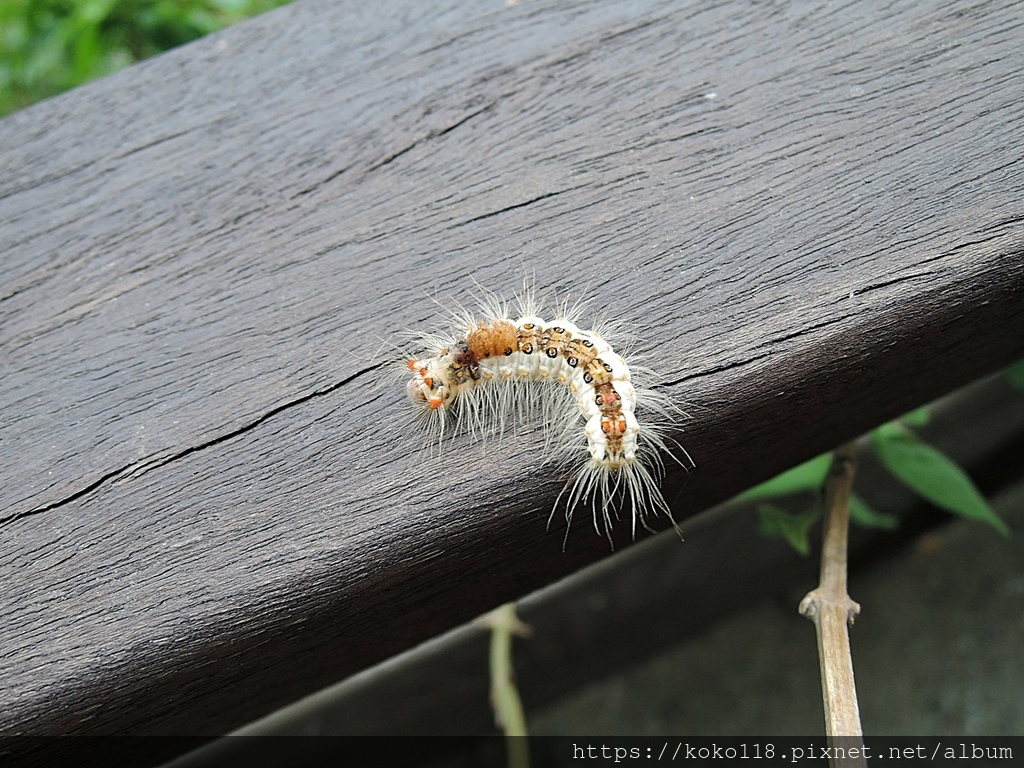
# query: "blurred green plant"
[924,469]
[1015,373]
[49,46]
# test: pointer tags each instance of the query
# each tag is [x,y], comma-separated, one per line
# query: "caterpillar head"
[428,387]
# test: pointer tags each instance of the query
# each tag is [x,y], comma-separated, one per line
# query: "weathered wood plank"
[812,213]
[605,620]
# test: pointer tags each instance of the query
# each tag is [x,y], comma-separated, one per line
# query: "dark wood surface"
[213,497]
[606,621]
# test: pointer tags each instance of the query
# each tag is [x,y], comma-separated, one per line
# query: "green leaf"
[777,522]
[867,517]
[1015,373]
[891,430]
[47,46]
[917,417]
[805,477]
[932,474]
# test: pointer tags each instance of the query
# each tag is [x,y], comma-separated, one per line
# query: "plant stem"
[508,709]
[832,611]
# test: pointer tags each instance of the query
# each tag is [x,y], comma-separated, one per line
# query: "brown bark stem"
[830,608]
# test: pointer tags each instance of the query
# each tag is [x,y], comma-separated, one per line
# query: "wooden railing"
[214,497]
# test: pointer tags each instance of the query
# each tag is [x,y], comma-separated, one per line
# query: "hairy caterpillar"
[496,370]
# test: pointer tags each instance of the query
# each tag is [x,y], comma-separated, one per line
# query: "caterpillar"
[495,370]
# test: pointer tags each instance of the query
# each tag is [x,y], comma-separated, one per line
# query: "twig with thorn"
[832,611]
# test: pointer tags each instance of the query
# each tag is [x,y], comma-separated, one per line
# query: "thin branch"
[508,709]
[832,611]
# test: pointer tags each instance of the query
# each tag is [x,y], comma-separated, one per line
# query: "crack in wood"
[33,183]
[430,136]
[137,469]
[893,281]
[154,143]
[508,208]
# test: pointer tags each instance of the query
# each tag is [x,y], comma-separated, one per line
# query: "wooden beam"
[213,499]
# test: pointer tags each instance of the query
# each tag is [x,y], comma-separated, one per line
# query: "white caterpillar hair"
[496,371]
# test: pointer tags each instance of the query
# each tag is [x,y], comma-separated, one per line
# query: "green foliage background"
[49,46]
[925,470]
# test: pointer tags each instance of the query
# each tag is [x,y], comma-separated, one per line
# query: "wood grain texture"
[212,499]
